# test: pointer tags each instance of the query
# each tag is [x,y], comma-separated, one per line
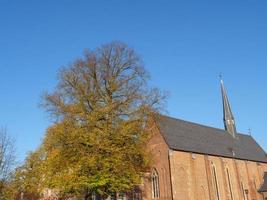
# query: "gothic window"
[215,182]
[229,184]
[155,184]
[135,194]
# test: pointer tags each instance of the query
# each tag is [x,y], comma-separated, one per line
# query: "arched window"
[215,182]
[229,184]
[155,184]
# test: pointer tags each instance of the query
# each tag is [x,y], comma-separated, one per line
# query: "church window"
[113,196]
[135,194]
[122,196]
[215,182]
[155,184]
[229,184]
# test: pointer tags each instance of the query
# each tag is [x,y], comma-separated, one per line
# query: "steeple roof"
[228,117]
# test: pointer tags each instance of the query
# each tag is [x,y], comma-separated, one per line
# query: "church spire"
[228,118]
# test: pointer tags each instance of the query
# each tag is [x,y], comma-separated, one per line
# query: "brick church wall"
[190,174]
[160,161]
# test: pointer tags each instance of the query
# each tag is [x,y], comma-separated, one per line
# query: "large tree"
[100,107]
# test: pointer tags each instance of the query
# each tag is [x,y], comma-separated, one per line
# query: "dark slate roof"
[263,187]
[191,137]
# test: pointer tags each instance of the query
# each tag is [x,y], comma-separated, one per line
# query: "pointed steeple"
[228,118]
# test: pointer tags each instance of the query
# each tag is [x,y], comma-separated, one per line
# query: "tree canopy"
[97,140]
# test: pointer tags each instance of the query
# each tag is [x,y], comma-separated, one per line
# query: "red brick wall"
[160,161]
[191,175]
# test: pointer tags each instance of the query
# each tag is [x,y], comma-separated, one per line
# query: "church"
[197,162]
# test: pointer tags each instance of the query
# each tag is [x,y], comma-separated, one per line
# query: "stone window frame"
[155,184]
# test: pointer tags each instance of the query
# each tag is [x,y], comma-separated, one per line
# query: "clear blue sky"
[185,46]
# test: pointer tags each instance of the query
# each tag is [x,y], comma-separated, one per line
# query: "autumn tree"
[26,181]
[7,160]
[100,107]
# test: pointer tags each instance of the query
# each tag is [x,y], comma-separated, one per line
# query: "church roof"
[263,187]
[191,137]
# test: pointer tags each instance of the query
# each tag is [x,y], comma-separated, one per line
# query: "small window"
[155,184]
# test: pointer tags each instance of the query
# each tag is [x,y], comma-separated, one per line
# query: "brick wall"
[192,176]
